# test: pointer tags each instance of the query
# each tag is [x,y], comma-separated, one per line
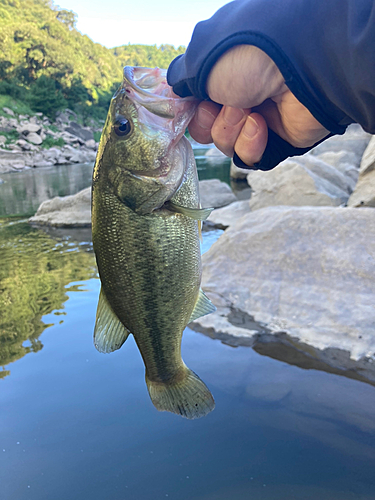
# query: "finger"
[227,128]
[292,121]
[201,123]
[252,140]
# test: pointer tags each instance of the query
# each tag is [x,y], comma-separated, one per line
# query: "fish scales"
[158,244]
[148,251]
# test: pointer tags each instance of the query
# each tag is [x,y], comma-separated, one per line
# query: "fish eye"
[122,126]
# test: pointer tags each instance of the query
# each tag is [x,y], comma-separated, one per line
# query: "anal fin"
[202,307]
[109,332]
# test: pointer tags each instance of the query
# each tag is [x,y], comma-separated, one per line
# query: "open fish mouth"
[158,107]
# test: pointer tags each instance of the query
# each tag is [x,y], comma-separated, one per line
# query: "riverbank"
[34,141]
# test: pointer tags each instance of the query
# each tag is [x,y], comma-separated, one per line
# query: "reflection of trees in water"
[34,271]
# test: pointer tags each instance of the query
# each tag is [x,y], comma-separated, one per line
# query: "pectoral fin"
[193,213]
[109,333]
[202,307]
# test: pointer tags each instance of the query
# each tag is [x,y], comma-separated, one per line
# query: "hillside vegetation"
[49,65]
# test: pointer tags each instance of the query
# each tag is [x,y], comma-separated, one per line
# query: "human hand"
[248,95]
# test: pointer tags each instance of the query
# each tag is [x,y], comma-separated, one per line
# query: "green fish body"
[145,206]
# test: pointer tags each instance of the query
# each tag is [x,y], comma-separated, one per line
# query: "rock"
[53,155]
[65,116]
[9,111]
[364,192]
[10,158]
[78,131]
[238,174]
[68,211]
[229,215]
[299,181]
[82,156]
[34,119]
[91,144]
[306,272]
[34,138]
[28,128]
[213,154]
[368,158]
[42,163]
[24,145]
[3,139]
[346,162]
[354,140]
[14,147]
[19,166]
[215,194]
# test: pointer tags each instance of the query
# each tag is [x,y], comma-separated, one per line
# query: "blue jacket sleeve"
[325,49]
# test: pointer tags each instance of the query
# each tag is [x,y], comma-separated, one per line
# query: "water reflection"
[21,193]
[34,272]
[289,350]
[78,424]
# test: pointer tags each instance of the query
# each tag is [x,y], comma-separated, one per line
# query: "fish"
[145,230]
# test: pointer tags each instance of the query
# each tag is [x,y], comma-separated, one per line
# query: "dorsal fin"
[202,307]
[109,333]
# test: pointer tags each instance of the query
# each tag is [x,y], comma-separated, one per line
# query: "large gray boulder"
[364,192]
[215,194]
[300,181]
[326,176]
[28,128]
[12,160]
[354,140]
[34,138]
[237,173]
[83,133]
[68,211]
[306,272]
[224,217]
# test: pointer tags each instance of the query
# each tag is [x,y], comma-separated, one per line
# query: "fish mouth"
[158,106]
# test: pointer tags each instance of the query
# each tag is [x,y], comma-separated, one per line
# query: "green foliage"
[34,272]
[18,107]
[146,55]
[46,96]
[13,89]
[50,142]
[67,17]
[11,136]
[38,39]
[97,136]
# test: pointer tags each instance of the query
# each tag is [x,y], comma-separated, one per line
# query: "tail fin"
[188,397]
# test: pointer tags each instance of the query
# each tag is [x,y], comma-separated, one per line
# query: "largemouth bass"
[145,212]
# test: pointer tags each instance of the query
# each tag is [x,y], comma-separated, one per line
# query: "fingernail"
[250,128]
[205,119]
[232,116]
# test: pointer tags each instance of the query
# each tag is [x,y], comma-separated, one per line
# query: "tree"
[68,17]
[45,96]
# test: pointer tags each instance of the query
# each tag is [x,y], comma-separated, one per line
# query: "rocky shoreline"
[294,270]
[34,141]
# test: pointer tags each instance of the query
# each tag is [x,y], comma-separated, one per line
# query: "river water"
[76,424]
